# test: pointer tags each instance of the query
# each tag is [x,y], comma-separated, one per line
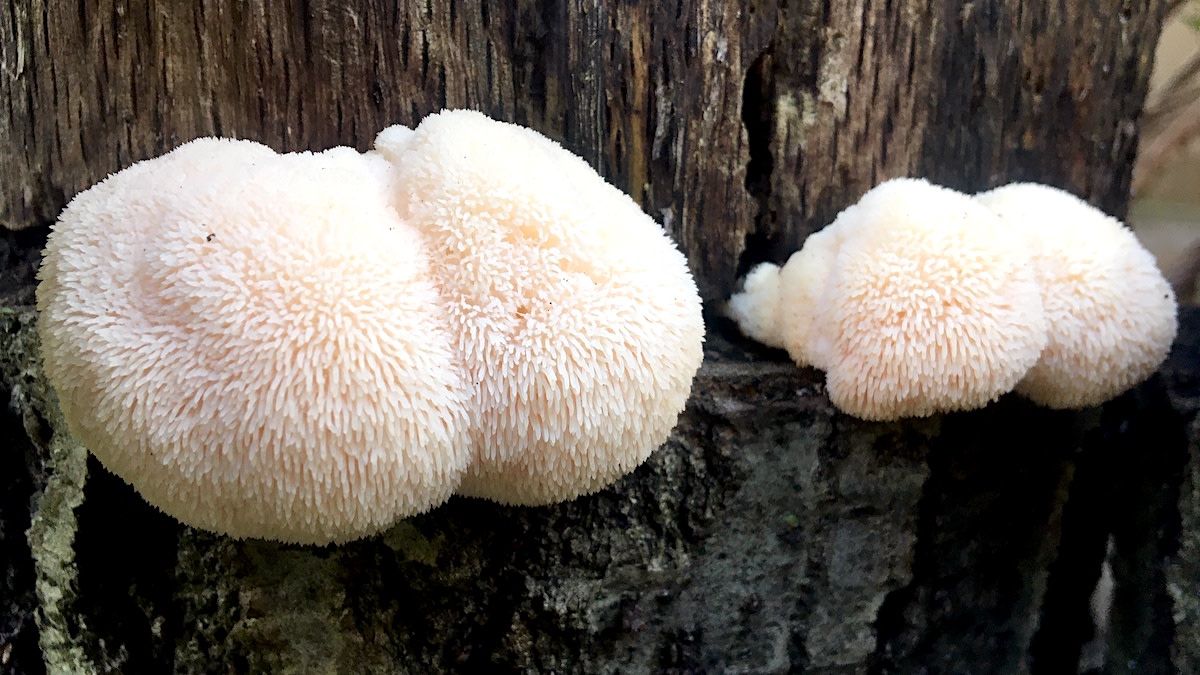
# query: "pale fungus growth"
[575,315]
[756,309]
[776,305]
[254,342]
[914,301]
[1110,311]
[308,347]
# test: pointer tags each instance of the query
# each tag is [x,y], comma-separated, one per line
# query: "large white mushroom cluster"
[307,347]
[920,299]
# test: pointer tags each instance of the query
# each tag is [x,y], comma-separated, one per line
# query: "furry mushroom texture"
[254,342]
[308,347]
[914,301]
[576,316]
[1111,312]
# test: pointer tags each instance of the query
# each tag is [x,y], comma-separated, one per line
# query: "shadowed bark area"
[770,534]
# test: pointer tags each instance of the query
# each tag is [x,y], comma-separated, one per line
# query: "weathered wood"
[723,119]
[771,534]
[649,93]
[970,95]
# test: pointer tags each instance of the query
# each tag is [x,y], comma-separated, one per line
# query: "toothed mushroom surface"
[930,307]
[254,341]
[309,347]
[576,316]
[757,308]
[914,301]
[1110,311]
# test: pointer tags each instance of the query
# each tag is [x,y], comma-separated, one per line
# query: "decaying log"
[771,533]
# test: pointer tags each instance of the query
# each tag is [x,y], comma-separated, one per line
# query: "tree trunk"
[770,534]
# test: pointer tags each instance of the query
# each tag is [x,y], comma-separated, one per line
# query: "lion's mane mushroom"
[254,342]
[777,305]
[1111,312]
[914,301]
[576,316]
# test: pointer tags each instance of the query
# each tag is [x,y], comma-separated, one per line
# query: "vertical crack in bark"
[132,594]
[1065,624]
[1127,487]
[18,468]
[975,535]
[758,116]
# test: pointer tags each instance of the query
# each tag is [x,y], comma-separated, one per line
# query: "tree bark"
[770,534]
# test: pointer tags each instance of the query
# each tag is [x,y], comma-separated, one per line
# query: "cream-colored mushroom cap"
[929,306]
[575,314]
[254,342]
[1111,313]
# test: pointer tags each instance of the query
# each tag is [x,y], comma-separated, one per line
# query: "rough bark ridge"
[649,93]
[770,534]
[724,119]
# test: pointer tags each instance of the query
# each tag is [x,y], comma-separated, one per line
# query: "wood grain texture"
[770,534]
[736,124]
[971,95]
[650,94]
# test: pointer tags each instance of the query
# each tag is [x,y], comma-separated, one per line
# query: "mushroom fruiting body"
[254,342]
[758,306]
[308,347]
[575,315]
[778,305]
[1111,312]
[914,301]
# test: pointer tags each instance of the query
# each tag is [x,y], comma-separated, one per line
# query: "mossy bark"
[770,533]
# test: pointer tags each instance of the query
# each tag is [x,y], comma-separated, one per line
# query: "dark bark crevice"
[761,243]
[989,525]
[19,650]
[126,557]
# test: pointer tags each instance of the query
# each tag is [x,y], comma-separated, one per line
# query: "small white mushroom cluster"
[307,347]
[920,299]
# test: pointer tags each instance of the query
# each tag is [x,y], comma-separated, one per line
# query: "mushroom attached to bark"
[1111,312]
[255,343]
[576,316]
[914,301]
